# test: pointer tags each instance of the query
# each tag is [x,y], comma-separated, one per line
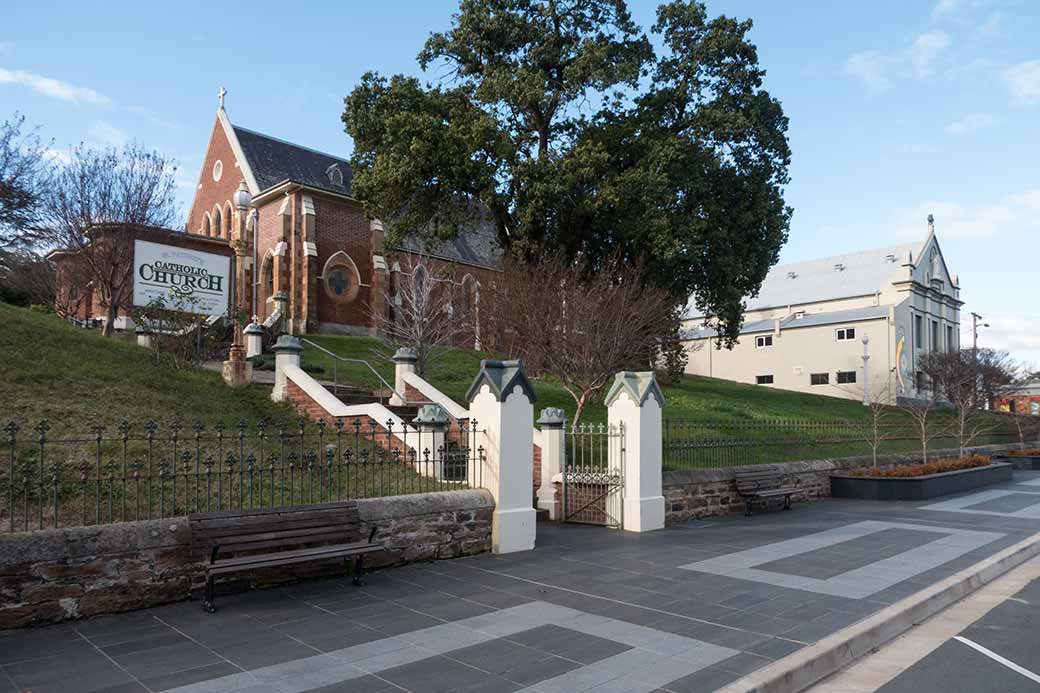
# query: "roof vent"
[839,267]
[335,175]
[890,258]
[799,315]
[792,275]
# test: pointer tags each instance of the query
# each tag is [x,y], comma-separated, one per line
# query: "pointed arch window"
[218,225]
[341,278]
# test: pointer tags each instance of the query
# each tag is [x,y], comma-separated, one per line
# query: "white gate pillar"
[501,401]
[634,402]
[254,335]
[286,352]
[551,422]
[432,423]
[404,362]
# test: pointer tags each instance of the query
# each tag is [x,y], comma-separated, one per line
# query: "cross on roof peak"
[221,94]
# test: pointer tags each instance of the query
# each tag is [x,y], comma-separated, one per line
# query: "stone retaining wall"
[54,575]
[694,494]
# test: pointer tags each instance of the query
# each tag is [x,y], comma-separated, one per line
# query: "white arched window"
[218,226]
[228,219]
[207,225]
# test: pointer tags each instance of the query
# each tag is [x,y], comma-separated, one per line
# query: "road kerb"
[809,665]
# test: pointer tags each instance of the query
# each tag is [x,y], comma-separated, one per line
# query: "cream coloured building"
[805,329]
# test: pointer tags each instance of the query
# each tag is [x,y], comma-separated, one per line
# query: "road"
[989,641]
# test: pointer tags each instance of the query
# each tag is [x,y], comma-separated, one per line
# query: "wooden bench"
[763,482]
[236,541]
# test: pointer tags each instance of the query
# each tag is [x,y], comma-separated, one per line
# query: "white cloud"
[944,8]
[872,68]
[58,155]
[973,122]
[53,88]
[1014,333]
[1012,216]
[926,49]
[106,133]
[879,70]
[1024,81]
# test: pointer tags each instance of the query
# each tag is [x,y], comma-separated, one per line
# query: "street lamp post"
[866,372]
[975,318]
[238,371]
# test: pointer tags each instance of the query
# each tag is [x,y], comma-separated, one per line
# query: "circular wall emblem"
[341,282]
[218,169]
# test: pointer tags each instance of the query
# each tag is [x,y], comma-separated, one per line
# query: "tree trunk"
[110,318]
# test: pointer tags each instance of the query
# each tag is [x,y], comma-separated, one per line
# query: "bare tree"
[94,207]
[24,171]
[576,326]
[880,414]
[1028,428]
[969,381]
[427,314]
[920,415]
[26,279]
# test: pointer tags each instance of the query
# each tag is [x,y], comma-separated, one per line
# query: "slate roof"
[273,161]
[864,273]
[475,245]
[834,317]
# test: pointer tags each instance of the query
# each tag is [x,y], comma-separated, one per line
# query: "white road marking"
[997,658]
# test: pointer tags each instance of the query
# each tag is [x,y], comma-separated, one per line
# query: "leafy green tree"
[557,120]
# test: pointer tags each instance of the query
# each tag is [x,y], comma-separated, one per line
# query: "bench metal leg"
[207,603]
[359,570]
[747,506]
[787,502]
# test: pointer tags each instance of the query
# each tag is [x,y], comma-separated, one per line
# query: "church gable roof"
[830,278]
[273,161]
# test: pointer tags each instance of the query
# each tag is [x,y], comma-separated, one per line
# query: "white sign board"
[184,279]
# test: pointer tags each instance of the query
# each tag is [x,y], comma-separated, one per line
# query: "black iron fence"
[142,472]
[694,444]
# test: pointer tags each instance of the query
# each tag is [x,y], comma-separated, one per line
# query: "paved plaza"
[689,608]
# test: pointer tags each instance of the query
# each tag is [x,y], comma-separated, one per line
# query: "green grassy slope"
[76,378]
[692,398]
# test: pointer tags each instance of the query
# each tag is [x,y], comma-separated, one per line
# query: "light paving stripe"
[658,657]
[854,584]
[961,505]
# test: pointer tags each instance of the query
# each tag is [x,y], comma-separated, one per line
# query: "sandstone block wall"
[699,493]
[60,574]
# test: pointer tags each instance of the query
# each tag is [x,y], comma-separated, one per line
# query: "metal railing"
[695,444]
[336,358]
[142,472]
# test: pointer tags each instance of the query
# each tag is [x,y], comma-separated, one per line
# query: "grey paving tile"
[435,675]
[160,661]
[266,649]
[329,632]
[190,676]
[365,684]
[152,640]
[22,644]
[550,666]
[54,674]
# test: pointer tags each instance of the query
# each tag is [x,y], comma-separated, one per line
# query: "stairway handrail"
[366,364]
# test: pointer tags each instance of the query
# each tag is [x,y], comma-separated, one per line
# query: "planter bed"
[1028,462]
[918,487]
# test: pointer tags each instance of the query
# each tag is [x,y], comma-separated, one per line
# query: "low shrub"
[1028,452]
[937,467]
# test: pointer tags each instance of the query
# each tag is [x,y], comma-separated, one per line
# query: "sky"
[898,108]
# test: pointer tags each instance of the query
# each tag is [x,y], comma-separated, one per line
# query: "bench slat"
[314,552]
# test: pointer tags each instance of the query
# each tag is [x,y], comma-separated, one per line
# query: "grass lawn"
[757,424]
[76,379]
[692,398]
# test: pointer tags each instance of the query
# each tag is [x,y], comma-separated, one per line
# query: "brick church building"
[318,261]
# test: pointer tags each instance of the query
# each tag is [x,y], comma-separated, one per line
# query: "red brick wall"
[342,226]
[209,193]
